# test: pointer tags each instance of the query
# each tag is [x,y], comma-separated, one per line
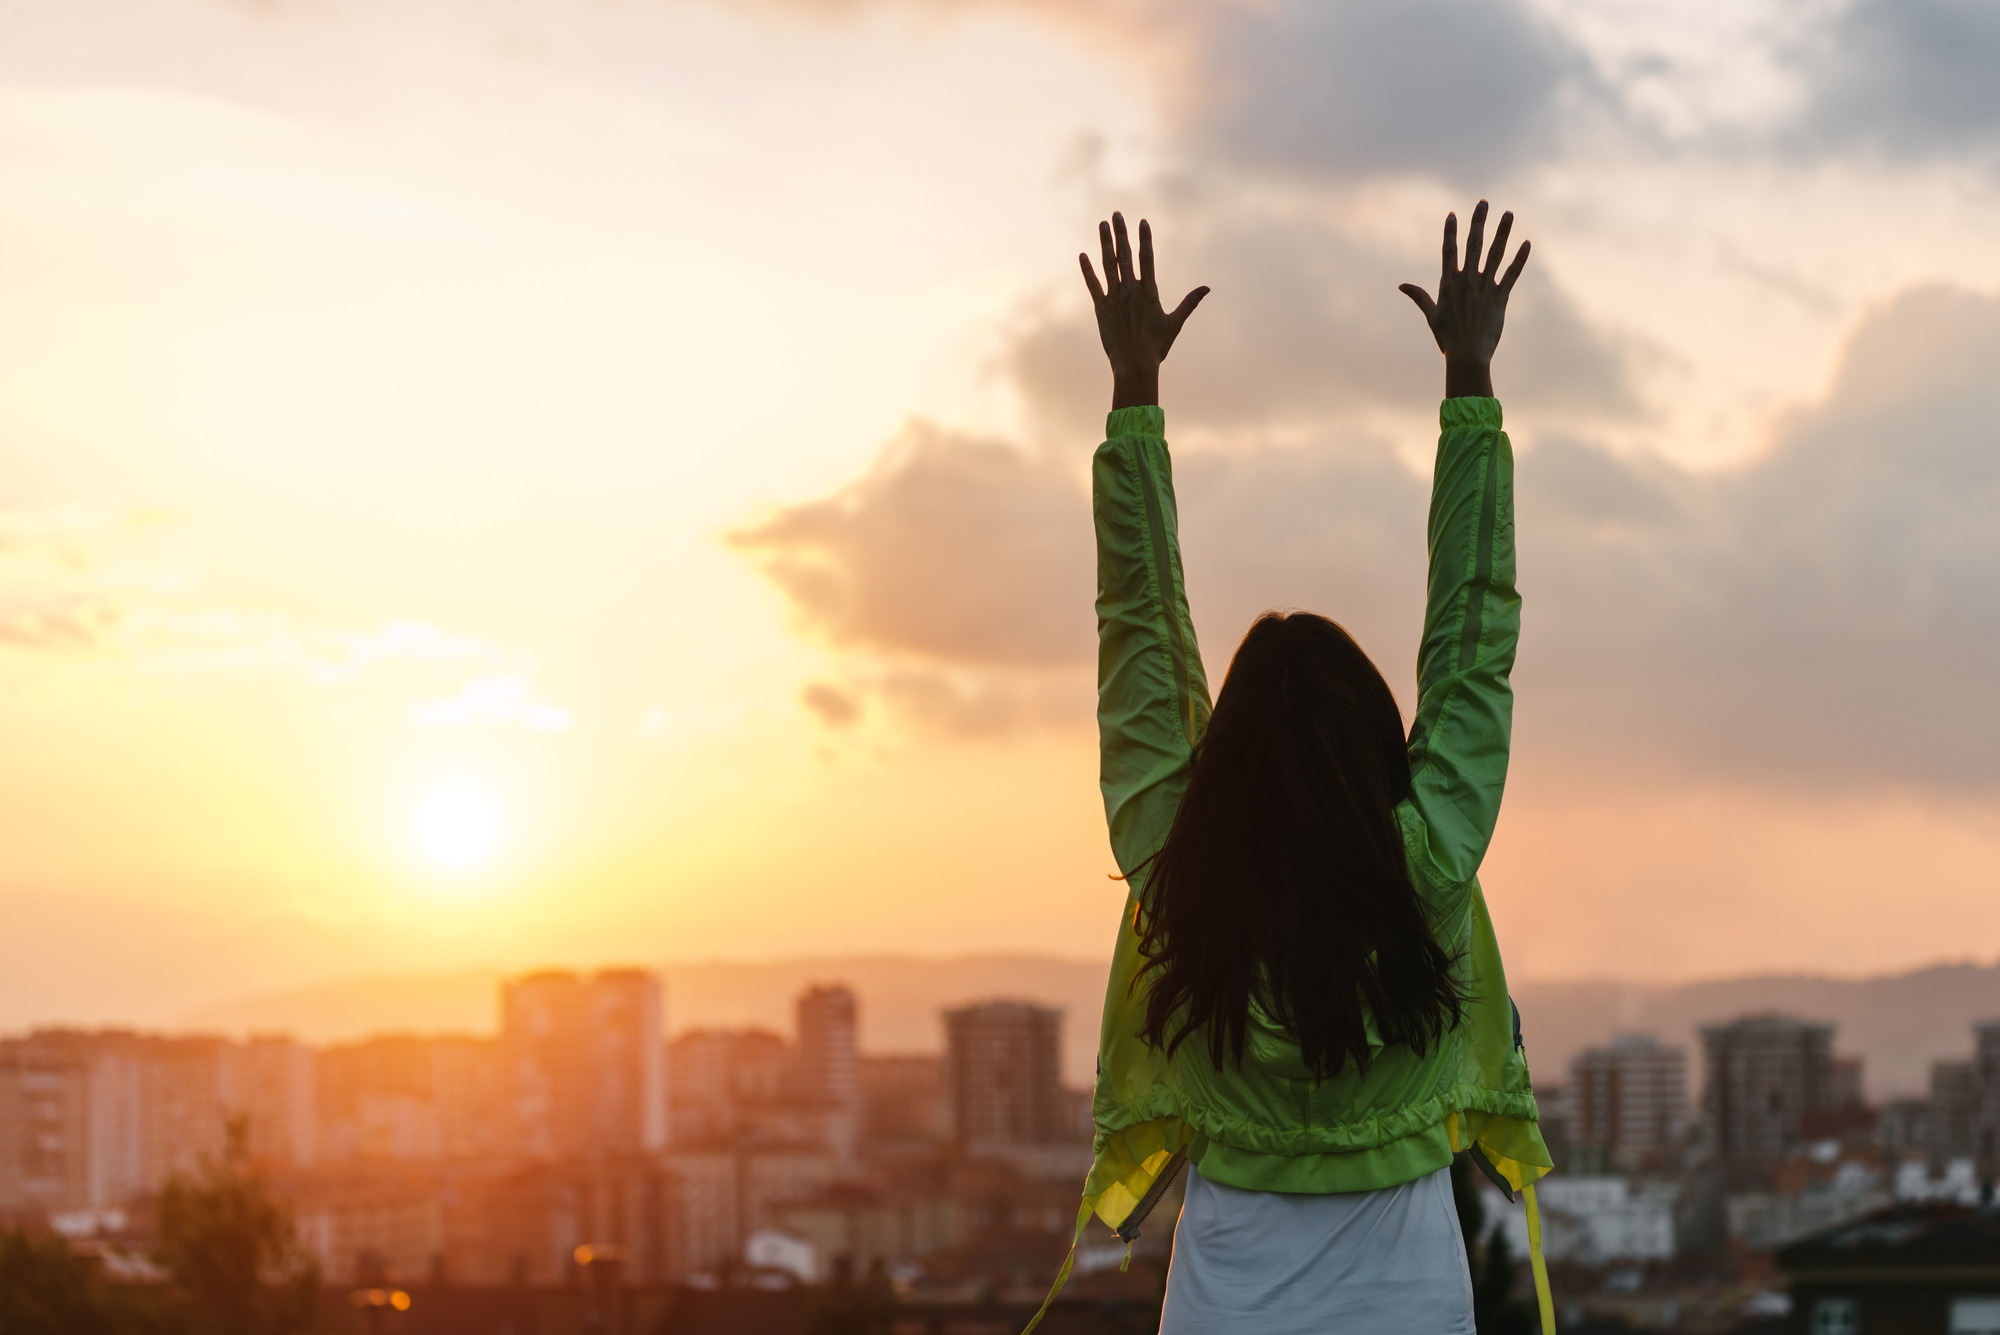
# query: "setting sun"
[458,827]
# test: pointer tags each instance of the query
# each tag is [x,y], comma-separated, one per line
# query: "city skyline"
[487,1160]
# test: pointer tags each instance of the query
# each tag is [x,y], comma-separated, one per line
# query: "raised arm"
[1152,696]
[1472,613]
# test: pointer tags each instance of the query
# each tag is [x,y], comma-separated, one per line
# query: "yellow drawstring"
[1062,1276]
[1543,1299]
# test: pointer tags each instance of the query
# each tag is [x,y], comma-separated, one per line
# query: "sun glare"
[458,826]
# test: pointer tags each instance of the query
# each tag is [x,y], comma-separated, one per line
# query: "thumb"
[1421,297]
[1186,308]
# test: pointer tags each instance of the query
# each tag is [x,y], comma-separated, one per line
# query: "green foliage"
[233,1252]
[1495,1310]
[45,1289]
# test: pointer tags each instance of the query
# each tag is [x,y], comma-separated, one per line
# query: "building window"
[1975,1316]
[1836,1316]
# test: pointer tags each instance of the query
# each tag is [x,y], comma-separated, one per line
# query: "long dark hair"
[1283,876]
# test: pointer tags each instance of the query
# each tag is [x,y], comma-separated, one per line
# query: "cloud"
[956,576]
[1316,89]
[1459,89]
[834,707]
[81,592]
[1825,617]
[58,596]
[1913,78]
[950,550]
[504,701]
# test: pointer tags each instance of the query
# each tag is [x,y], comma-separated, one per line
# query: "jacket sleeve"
[1472,622]
[1152,696]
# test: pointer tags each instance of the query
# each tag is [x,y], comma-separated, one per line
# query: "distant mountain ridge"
[1898,1023]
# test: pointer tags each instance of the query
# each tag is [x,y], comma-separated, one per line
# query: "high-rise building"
[1003,1074]
[828,1064]
[827,1073]
[1954,1110]
[722,1080]
[400,1096]
[466,1093]
[1986,1094]
[585,1065]
[187,1100]
[1762,1073]
[1627,1104]
[114,1088]
[155,1107]
[44,1129]
[273,1086]
[376,1100]
[1906,1130]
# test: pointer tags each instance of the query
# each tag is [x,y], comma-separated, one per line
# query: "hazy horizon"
[1897,1022]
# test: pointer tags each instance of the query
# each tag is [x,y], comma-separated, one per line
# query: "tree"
[1495,1310]
[232,1251]
[46,1289]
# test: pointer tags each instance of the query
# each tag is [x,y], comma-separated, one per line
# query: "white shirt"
[1388,1262]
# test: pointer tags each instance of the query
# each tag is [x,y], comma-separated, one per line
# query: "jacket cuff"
[1149,420]
[1466,412]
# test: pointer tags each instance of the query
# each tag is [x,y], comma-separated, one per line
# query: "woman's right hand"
[1471,305]
[1134,327]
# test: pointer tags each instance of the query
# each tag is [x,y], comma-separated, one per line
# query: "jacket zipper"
[1129,1230]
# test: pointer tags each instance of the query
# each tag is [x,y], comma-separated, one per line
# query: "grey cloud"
[1909,77]
[1462,89]
[1305,322]
[950,549]
[1311,90]
[1467,91]
[1825,617]
[1829,615]
[1584,485]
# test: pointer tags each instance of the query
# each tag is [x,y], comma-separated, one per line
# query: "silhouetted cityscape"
[728,1160]
[721,1158]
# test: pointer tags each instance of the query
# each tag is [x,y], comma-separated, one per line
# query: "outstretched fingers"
[1090,278]
[1474,236]
[1450,245]
[1421,297]
[1514,269]
[1126,273]
[1110,251]
[1145,253]
[1494,255]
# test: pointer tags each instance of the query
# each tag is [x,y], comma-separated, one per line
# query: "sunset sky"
[531,482]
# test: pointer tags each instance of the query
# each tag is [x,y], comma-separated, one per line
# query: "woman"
[1306,1003]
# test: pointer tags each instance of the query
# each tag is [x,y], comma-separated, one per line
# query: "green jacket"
[1267,1124]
